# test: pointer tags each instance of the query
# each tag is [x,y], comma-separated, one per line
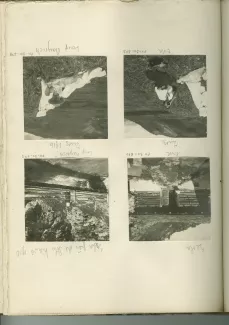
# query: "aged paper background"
[126,277]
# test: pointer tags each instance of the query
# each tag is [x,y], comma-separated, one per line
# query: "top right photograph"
[165,96]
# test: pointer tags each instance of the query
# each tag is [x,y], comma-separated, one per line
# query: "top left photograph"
[65,97]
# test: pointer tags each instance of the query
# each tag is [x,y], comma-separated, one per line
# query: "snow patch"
[142,185]
[30,136]
[68,181]
[134,130]
[187,186]
[200,232]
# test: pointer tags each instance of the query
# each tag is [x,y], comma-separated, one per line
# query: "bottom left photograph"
[66,200]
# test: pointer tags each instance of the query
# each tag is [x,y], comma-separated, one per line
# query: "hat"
[156,61]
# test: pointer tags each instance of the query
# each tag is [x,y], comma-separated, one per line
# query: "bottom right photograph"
[169,199]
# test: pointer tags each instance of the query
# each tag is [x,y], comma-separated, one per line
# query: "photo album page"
[113,157]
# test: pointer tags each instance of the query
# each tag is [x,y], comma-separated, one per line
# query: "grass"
[142,105]
[50,220]
[83,116]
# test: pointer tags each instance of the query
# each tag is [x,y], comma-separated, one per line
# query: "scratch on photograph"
[66,200]
[165,96]
[169,199]
[65,97]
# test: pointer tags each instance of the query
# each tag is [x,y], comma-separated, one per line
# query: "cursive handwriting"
[72,47]
[60,250]
[82,153]
[70,149]
[195,248]
[60,145]
[172,143]
[164,51]
[47,49]
[172,153]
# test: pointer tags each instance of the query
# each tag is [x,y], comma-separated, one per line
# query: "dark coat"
[160,78]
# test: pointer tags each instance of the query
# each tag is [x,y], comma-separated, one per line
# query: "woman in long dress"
[55,92]
[164,83]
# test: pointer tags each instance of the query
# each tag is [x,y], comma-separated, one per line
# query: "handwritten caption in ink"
[60,250]
[171,147]
[172,153]
[48,49]
[150,154]
[134,51]
[199,248]
[62,149]
[69,149]
[138,154]
[170,143]
[164,51]
[33,156]
[161,51]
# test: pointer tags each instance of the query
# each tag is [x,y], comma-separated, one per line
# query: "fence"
[171,202]
[89,199]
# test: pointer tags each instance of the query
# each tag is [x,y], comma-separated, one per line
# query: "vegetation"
[51,220]
[143,107]
[170,171]
[166,171]
[50,68]
[84,116]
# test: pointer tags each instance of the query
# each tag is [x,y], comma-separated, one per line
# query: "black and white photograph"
[66,200]
[169,199]
[65,97]
[165,96]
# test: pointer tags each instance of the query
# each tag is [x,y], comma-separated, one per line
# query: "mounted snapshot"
[66,200]
[169,199]
[165,96]
[65,97]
